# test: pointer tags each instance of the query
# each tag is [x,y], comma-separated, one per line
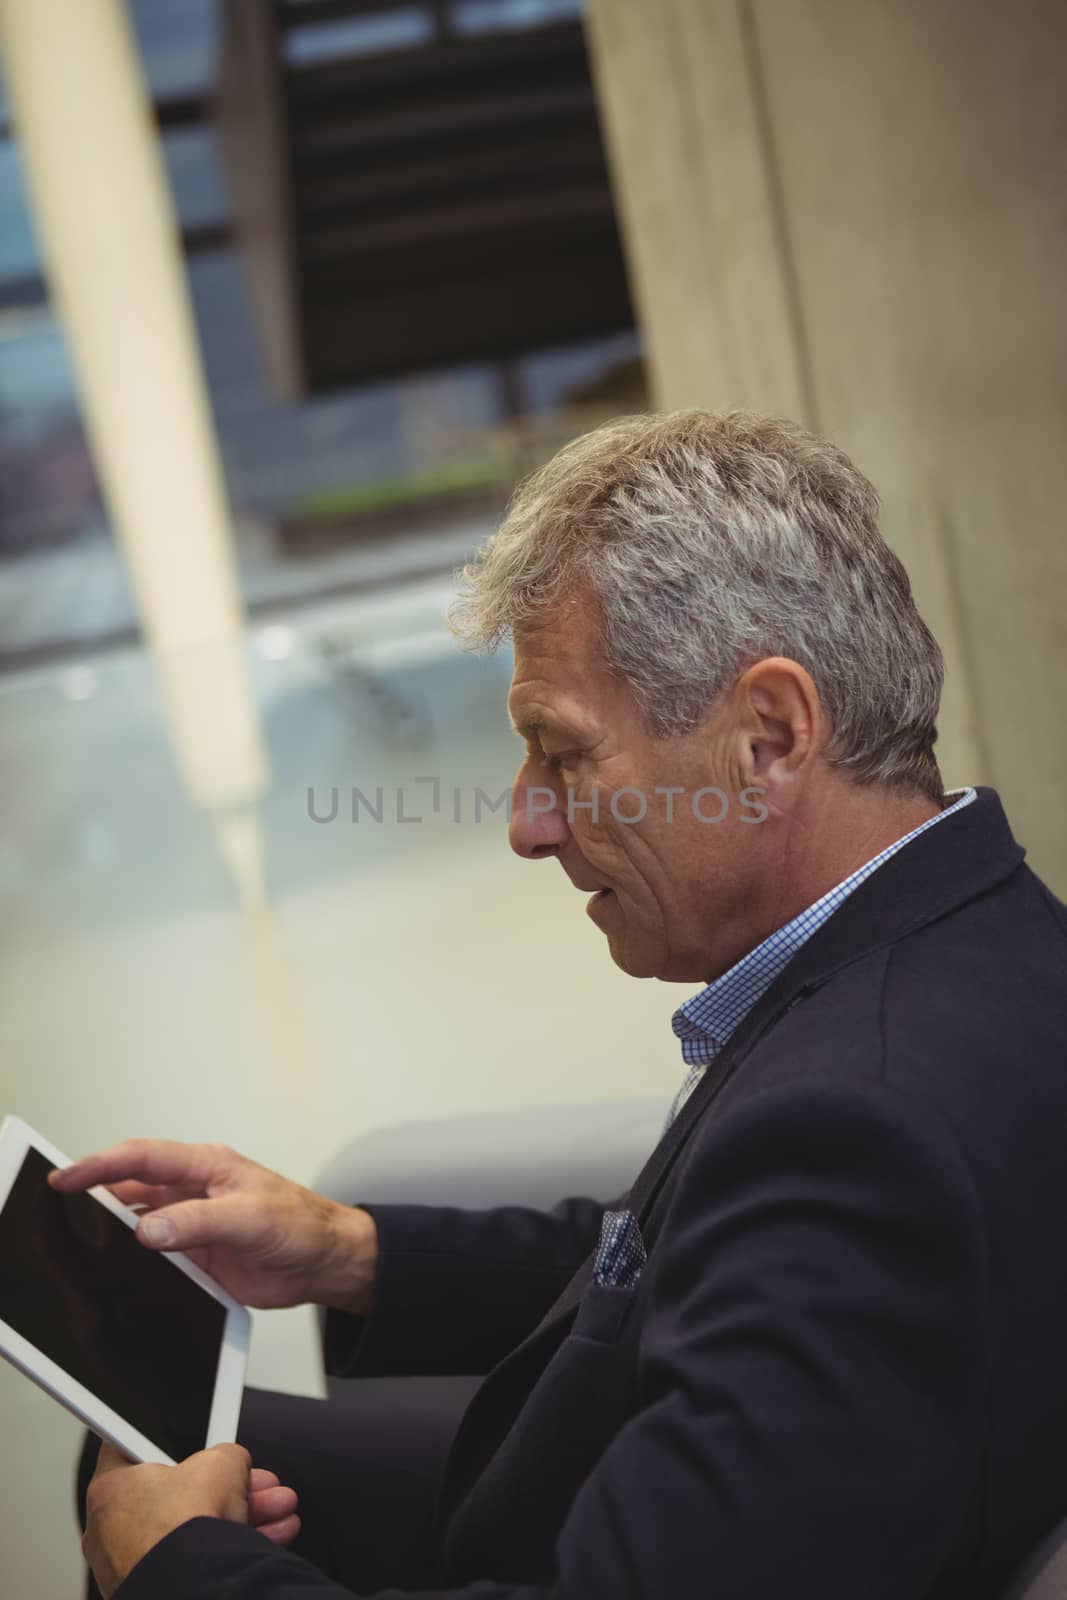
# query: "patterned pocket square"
[621,1252]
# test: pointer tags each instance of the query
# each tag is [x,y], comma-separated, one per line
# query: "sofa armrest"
[532,1158]
[527,1157]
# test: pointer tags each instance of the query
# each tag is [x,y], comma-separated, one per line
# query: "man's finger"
[271,1505]
[283,1532]
[260,1478]
[149,1160]
[153,1195]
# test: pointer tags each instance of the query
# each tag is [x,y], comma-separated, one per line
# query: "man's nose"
[538,826]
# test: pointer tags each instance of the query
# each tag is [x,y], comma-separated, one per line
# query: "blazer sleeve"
[811,1383]
[457,1290]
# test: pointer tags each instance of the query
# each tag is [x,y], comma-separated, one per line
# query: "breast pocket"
[583,1396]
[603,1311]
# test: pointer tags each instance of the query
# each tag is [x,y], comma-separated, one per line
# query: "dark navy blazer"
[842,1373]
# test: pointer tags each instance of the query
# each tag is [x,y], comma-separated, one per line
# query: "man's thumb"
[111,1458]
[158,1231]
[196,1224]
[231,1466]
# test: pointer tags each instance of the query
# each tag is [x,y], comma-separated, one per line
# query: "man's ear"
[781,727]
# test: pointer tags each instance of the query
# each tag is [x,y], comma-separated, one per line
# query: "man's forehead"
[560,680]
[557,703]
[558,651]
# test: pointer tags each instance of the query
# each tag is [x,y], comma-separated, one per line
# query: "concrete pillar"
[852,213]
[686,141]
[113,262]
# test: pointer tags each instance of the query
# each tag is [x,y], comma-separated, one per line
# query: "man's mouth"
[586,887]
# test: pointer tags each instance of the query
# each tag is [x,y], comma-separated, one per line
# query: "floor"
[390,972]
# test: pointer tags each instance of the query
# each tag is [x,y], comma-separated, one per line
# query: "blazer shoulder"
[937,1014]
[986,982]
[835,1030]
[1053,906]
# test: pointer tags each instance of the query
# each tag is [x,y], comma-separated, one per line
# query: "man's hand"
[266,1240]
[131,1508]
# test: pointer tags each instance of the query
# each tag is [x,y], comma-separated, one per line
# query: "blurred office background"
[401,251]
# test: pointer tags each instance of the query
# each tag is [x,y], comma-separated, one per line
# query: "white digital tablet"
[142,1346]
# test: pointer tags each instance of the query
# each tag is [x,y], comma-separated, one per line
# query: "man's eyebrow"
[529,727]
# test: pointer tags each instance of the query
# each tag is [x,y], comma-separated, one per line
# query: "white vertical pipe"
[112,254]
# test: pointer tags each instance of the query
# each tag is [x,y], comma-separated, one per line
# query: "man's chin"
[630,955]
[638,957]
[627,962]
[642,957]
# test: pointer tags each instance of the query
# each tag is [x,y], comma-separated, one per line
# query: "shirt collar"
[705,1022]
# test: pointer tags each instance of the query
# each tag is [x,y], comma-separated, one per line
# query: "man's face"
[669,891]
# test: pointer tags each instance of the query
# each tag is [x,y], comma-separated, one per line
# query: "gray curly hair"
[713,540]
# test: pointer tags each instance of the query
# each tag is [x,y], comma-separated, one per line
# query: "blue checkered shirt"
[705,1023]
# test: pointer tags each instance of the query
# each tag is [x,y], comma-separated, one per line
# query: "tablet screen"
[128,1325]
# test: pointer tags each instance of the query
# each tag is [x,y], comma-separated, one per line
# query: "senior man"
[817,1349]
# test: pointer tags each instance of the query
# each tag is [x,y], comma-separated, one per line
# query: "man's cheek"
[588,830]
